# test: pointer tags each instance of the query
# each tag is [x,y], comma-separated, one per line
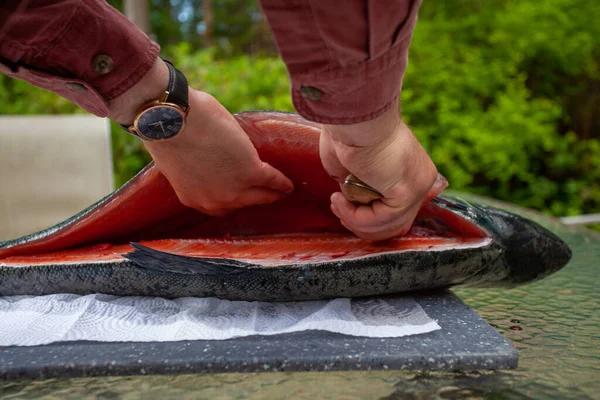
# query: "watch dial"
[160,122]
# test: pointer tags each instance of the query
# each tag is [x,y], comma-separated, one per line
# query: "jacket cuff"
[345,63]
[84,50]
[351,94]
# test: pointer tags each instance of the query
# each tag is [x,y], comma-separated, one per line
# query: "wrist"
[368,133]
[152,86]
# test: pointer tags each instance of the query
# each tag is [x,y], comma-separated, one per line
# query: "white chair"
[51,167]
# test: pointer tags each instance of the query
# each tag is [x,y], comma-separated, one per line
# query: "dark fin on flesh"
[155,260]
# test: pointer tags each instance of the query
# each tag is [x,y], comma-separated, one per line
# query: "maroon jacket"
[346,59]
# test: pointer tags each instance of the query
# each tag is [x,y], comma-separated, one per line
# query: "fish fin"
[155,260]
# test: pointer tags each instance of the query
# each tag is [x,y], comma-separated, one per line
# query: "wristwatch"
[164,118]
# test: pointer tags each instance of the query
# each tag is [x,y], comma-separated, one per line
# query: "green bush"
[19,97]
[241,83]
[488,92]
[503,94]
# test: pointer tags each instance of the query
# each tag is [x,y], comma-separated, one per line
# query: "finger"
[393,228]
[373,216]
[250,197]
[377,235]
[270,178]
[343,208]
[438,186]
[377,219]
[208,209]
[258,195]
[330,160]
[334,210]
[382,235]
[388,231]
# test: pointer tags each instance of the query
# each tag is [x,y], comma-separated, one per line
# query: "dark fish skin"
[373,276]
[529,251]
[520,252]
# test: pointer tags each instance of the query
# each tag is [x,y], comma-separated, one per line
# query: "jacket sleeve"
[346,59]
[83,50]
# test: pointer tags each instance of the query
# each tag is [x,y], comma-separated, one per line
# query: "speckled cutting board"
[465,342]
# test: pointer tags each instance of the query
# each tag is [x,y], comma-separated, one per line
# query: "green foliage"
[19,97]
[503,94]
[241,83]
[488,92]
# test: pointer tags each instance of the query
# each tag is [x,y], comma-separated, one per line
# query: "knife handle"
[358,192]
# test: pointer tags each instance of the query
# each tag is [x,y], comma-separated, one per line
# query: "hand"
[384,154]
[212,164]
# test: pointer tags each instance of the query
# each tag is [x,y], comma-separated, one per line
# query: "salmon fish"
[140,240]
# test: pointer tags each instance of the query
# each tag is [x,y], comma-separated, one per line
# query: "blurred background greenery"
[504,94]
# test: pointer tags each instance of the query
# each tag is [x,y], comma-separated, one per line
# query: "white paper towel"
[28,321]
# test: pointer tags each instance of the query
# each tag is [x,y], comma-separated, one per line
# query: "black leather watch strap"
[177,90]
[178,87]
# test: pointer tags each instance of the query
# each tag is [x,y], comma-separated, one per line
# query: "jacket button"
[76,87]
[310,93]
[102,64]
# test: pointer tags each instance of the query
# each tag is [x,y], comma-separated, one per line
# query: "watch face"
[160,122]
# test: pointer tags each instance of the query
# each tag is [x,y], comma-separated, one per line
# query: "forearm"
[372,133]
[83,50]
[346,61]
